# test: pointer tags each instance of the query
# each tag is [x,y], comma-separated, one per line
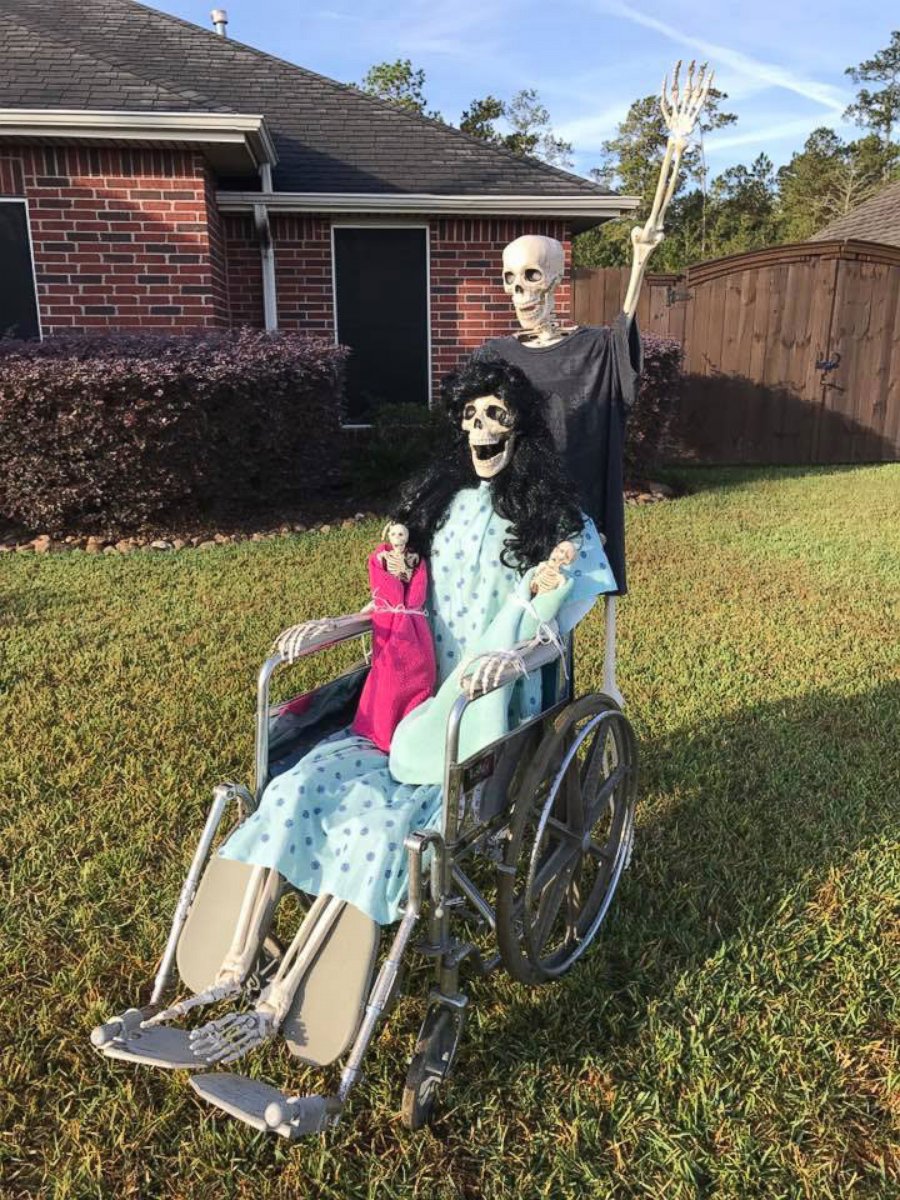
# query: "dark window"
[18,304]
[381,286]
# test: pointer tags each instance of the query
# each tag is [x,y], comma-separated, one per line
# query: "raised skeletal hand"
[682,103]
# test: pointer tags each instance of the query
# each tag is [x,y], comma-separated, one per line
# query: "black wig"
[531,492]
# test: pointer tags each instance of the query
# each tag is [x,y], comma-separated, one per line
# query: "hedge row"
[649,437]
[114,431]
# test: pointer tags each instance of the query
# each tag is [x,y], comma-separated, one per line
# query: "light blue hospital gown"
[335,821]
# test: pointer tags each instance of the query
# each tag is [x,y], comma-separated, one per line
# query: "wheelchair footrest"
[265,1107]
[160,1046]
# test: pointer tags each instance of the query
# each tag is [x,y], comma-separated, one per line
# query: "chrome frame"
[449,887]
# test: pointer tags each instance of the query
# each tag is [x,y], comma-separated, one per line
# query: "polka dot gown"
[335,821]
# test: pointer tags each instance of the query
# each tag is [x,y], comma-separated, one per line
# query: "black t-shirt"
[590,378]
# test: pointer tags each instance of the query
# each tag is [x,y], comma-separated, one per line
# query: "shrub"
[649,432]
[112,431]
[402,439]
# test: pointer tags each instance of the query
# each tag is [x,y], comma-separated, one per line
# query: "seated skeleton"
[511,560]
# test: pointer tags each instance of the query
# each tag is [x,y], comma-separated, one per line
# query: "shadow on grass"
[736,816]
[690,479]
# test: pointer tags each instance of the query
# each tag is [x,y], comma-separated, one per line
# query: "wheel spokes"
[550,903]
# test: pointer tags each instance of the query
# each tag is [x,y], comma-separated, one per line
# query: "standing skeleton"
[533,266]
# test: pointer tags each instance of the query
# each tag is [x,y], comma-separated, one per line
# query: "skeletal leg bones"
[260,898]
[234,1035]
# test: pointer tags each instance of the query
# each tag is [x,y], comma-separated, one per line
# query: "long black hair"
[531,492]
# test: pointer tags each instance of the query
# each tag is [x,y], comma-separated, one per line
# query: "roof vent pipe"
[220,20]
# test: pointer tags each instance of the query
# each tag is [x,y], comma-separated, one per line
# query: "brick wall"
[132,238]
[468,304]
[243,264]
[121,238]
[303,270]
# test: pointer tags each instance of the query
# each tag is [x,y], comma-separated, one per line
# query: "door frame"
[425,226]
[37,298]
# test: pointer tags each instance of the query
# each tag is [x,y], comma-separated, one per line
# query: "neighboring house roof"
[875,220]
[330,137]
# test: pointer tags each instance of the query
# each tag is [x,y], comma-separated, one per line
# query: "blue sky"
[782,64]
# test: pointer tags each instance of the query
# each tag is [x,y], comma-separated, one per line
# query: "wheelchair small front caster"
[431,1063]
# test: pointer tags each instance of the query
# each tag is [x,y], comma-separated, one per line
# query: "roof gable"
[330,137]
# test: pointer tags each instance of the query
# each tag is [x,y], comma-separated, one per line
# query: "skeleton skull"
[397,536]
[563,555]
[532,267]
[489,423]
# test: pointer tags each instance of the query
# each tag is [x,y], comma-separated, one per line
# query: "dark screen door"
[18,305]
[381,287]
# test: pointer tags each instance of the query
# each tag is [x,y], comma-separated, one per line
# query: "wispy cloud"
[592,130]
[750,68]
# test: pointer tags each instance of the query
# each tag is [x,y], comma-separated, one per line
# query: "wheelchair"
[535,832]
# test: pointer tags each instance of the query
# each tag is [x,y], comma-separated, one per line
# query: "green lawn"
[735,1032]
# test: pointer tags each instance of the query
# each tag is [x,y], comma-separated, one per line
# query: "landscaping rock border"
[207,539]
[44,543]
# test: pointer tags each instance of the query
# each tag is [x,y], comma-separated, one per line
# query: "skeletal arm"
[681,107]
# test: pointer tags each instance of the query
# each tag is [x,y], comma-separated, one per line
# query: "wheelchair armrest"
[334,631]
[524,659]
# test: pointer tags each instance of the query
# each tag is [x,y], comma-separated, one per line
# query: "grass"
[735,1032]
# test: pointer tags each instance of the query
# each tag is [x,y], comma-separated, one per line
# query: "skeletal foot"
[232,1036]
[224,991]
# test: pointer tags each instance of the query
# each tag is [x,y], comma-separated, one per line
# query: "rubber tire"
[547,760]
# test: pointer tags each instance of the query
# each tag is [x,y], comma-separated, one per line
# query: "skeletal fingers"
[232,1036]
[291,642]
[182,1007]
[487,670]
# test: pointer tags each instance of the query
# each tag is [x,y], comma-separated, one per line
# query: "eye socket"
[501,415]
[468,412]
[533,275]
[508,277]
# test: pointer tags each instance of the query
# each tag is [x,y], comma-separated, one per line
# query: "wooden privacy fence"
[792,354]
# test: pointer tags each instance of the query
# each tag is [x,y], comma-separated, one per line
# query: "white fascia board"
[601,207]
[245,129]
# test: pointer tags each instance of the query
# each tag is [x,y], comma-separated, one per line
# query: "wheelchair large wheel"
[570,839]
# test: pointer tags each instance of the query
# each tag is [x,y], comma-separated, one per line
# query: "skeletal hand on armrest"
[483,672]
[291,642]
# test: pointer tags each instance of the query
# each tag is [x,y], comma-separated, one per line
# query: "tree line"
[743,208]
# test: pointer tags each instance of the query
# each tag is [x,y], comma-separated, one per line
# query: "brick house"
[154,174]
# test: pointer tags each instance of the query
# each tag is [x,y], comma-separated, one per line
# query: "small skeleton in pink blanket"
[548,575]
[403,670]
[399,561]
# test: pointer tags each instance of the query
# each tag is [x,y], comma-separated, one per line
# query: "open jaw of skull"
[490,425]
[532,267]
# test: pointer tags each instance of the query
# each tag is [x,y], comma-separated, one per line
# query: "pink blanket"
[403,668]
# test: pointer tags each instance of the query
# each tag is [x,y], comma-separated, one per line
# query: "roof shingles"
[875,220]
[330,137]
